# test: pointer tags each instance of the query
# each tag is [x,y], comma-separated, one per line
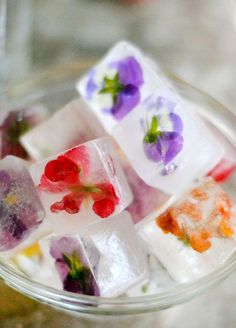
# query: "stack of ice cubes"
[120,177]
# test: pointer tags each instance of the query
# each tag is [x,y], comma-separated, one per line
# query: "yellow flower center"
[11,198]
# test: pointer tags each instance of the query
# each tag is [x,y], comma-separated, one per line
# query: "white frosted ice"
[120,260]
[68,127]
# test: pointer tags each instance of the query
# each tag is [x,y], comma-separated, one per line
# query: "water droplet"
[169,169]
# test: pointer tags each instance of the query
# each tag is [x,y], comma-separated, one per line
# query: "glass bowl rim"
[224,120]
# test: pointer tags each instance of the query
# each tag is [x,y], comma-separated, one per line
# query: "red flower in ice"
[62,169]
[223,170]
[105,201]
[64,174]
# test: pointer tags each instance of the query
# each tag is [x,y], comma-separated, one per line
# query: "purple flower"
[20,209]
[72,266]
[5,181]
[163,102]
[165,149]
[125,102]
[130,72]
[91,86]
[176,122]
[163,146]
[123,87]
[15,227]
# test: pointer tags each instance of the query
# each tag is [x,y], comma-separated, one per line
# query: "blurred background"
[194,39]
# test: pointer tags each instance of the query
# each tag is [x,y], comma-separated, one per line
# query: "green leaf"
[76,267]
[67,259]
[112,86]
[17,129]
[153,132]
[154,125]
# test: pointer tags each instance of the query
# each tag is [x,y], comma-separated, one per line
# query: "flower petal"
[104,207]
[177,122]
[153,151]
[5,180]
[70,203]
[80,156]
[62,169]
[166,103]
[125,102]
[50,187]
[130,72]
[63,245]
[172,144]
[105,200]
[91,86]
[62,269]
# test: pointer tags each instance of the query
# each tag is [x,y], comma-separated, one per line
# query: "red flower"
[65,174]
[104,207]
[222,171]
[62,169]
[103,195]
[80,156]
[71,203]
[105,200]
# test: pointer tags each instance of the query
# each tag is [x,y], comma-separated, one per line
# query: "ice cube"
[81,185]
[44,229]
[169,146]
[196,234]
[66,254]
[21,211]
[14,124]
[227,166]
[115,254]
[116,85]
[68,127]
[145,198]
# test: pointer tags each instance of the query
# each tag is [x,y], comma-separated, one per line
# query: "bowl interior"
[55,89]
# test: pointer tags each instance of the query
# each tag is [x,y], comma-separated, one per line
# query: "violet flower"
[91,87]
[72,267]
[163,146]
[124,87]
[17,217]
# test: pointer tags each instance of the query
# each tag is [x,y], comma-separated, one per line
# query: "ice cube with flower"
[118,84]
[82,185]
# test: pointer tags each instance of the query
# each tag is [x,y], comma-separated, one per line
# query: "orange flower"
[224,204]
[168,224]
[189,209]
[199,194]
[225,230]
[200,241]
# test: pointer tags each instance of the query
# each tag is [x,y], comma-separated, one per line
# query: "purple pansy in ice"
[124,87]
[160,143]
[91,86]
[17,216]
[72,267]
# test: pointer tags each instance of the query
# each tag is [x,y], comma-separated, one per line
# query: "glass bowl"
[56,88]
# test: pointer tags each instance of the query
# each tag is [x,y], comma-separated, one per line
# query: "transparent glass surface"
[56,88]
